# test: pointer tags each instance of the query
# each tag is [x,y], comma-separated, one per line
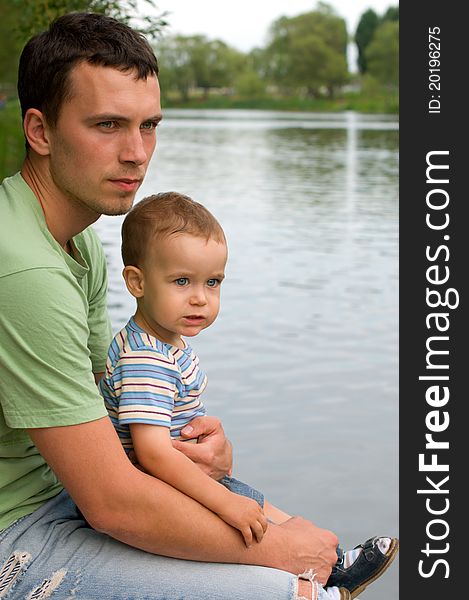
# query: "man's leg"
[53,553]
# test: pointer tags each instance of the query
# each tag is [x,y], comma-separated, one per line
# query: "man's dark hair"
[49,56]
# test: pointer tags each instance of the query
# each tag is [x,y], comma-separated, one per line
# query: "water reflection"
[302,362]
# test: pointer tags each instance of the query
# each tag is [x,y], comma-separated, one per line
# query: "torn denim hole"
[47,586]
[15,564]
[309,575]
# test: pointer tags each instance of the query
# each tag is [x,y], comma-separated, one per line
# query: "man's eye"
[149,125]
[213,283]
[107,124]
[182,281]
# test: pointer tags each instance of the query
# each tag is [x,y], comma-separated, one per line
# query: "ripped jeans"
[54,553]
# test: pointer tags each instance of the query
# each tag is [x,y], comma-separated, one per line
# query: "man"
[75,514]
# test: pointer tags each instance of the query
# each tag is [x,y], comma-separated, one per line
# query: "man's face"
[104,138]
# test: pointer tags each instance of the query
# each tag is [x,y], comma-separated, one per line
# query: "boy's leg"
[274,514]
[53,552]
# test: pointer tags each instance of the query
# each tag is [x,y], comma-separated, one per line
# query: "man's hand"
[213,452]
[310,547]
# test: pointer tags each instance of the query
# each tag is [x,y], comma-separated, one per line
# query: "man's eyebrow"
[114,117]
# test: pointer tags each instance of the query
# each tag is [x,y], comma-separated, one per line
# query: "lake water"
[303,360]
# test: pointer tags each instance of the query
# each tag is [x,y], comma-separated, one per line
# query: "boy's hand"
[246,515]
[213,452]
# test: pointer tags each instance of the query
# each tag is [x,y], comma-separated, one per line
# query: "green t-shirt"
[54,334]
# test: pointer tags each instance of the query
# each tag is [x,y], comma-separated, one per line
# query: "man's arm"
[139,510]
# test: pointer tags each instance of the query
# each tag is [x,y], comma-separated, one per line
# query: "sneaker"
[371,563]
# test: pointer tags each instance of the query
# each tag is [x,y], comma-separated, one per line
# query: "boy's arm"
[213,452]
[157,456]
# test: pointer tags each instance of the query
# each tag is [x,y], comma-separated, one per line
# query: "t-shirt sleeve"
[146,381]
[47,377]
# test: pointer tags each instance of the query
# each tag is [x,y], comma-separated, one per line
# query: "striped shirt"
[148,381]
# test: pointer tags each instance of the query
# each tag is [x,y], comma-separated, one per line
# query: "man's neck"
[63,217]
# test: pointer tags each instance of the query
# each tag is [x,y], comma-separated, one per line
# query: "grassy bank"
[365,103]
[11,139]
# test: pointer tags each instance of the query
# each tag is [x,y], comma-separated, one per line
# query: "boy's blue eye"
[182,281]
[213,282]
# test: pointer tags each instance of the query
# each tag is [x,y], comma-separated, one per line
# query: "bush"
[11,139]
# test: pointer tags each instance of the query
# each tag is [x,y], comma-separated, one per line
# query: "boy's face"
[104,138]
[181,281]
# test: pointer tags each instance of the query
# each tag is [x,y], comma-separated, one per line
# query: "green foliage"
[35,15]
[364,34]
[249,84]
[366,28]
[188,62]
[379,101]
[382,54]
[11,45]
[11,139]
[392,14]
[307,53]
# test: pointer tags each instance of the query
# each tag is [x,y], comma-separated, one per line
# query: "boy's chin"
[191,331]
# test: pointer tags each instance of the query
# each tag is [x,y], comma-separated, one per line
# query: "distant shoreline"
[379,104]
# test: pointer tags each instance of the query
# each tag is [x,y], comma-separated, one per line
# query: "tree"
[188,62]
[249,84]
[366,28]
[174,61]
[382,54]
[308,52]
[10,47]
[364,34]
[35,15]
[391,14]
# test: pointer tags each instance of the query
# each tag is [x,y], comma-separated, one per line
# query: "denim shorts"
[54,553]
[242,489]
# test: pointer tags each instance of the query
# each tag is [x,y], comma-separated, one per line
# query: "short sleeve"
[146,382]
[45,362]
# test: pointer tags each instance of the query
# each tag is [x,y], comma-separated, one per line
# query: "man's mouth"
[127,184]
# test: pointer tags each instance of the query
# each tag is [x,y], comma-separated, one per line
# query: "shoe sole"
[391,554]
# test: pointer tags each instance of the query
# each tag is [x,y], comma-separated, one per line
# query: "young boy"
[175,252]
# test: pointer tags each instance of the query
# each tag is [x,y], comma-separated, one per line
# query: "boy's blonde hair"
[160,216]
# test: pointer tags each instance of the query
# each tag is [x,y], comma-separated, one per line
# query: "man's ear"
[35,131]
[134,280]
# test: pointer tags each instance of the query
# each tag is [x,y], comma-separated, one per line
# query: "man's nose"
[133,149]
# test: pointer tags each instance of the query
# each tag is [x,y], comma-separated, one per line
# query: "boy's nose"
[198,298]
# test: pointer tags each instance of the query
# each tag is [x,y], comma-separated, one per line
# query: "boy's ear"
[35,131]
[134,280]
